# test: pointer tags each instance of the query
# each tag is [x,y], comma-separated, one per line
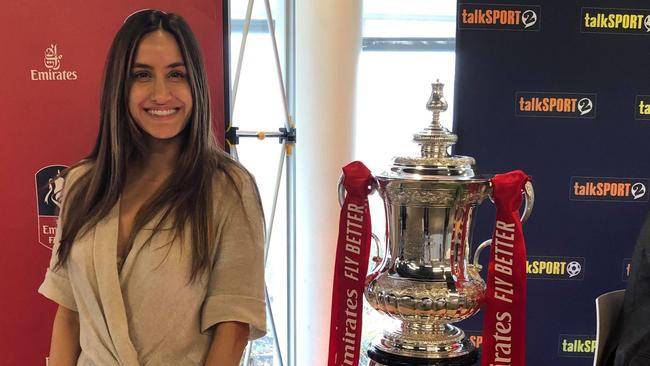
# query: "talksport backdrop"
[561,90]
[53,54]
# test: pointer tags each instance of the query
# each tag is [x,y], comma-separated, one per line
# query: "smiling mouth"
[162,112]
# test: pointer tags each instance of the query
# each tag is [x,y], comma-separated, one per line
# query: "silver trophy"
[425,279]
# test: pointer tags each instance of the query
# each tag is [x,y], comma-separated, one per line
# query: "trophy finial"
[435,142]
[435,139]
[437,102]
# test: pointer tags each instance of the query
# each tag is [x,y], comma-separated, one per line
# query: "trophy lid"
[435,162]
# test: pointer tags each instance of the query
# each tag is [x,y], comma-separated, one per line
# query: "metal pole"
[291,258]
[276,341]
[240,59]
[290,87]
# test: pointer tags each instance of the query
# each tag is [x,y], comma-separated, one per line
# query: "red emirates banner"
[54,54]
[504,323]
[352,253]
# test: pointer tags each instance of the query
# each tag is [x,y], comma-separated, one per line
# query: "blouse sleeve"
[236,282]
[56,285]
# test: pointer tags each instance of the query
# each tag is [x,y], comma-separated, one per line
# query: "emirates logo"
[52,58]
[52,62]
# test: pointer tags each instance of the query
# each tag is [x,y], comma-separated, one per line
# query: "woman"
[158,258]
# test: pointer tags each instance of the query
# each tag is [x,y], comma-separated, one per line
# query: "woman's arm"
[228,344]
[65,348]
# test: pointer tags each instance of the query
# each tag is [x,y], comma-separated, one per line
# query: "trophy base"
[381,358]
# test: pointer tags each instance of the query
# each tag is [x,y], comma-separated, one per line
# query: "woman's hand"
[65,348]
[228,344]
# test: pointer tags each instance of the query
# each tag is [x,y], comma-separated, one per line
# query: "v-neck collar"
[109,286]
[137,245]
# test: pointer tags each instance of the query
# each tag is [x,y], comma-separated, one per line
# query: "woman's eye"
[176,75]
[141,75]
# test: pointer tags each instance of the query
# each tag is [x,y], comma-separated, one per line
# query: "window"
[258,87]
[407,45]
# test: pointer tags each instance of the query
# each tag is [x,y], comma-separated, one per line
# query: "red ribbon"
[504,322]
[351,266]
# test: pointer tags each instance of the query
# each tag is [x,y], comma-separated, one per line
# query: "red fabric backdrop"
[54,122]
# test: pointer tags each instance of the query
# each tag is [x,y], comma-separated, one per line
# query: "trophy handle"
[529,202]
[380,256]
[341,191]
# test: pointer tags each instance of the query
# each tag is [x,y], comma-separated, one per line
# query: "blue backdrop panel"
[561,90]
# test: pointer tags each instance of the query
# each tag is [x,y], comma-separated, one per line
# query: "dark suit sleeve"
[634,346]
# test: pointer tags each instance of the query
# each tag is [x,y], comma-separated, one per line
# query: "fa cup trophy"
[425,279]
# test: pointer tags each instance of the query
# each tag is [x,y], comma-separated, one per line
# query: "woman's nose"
[160,93]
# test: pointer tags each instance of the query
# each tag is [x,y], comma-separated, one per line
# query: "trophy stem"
[435,121]
[418,328]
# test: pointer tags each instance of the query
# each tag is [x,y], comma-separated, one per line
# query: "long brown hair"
[186,196]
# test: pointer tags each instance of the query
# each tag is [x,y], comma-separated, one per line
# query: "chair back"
[608,306]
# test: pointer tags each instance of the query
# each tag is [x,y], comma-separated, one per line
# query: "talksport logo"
[615,21]
[499,17]
[608,189]
[49,188]
[642,110]
[555,268]
[570,345]
[476,337]
[52,63]
[566,105]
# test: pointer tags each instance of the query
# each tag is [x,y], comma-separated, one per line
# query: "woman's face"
[160,98]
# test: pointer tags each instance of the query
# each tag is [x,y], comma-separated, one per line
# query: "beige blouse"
[149,313]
